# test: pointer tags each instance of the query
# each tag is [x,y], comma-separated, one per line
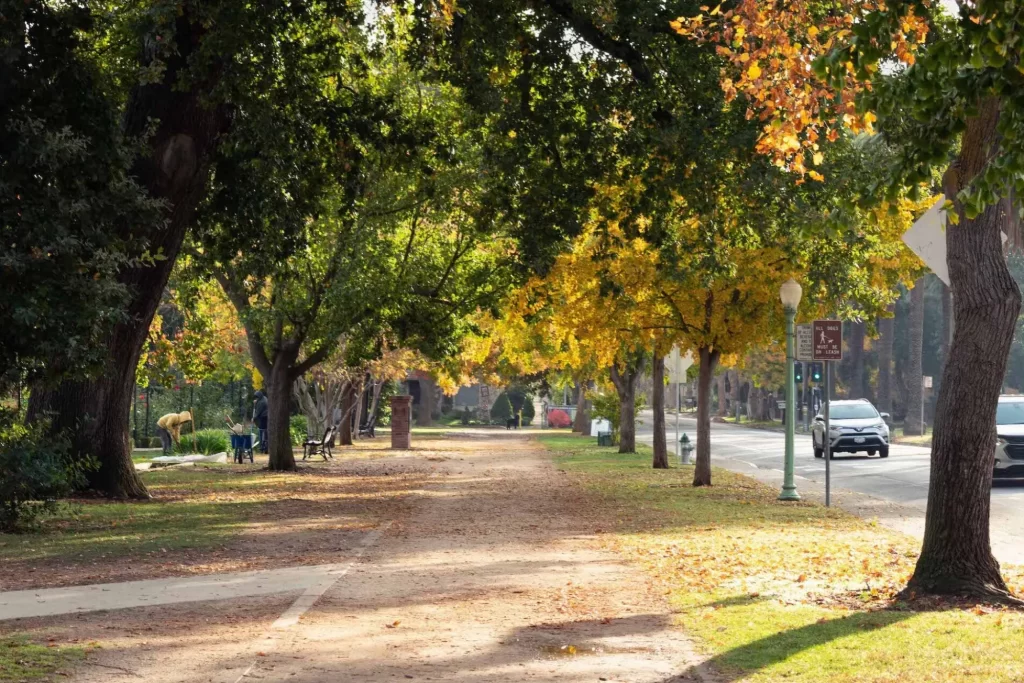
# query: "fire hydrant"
[685,448]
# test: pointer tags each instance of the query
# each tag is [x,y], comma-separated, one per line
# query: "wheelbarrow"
[242,445]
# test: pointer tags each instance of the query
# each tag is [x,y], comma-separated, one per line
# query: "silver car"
[1010,437]
[854,427]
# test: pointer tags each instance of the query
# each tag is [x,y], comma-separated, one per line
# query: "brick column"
[401,417]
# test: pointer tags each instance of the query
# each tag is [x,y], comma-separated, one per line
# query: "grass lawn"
[23,660]
[916,440]
[194,508]
[782,591]
[755,424]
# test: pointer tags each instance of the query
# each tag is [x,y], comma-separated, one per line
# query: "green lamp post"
[790,293]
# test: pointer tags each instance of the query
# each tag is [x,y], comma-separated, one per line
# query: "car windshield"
[1010,413]
[852,411]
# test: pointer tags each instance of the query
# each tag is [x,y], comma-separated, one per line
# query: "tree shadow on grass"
[763,653]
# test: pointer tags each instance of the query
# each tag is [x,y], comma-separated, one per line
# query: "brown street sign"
[828,339]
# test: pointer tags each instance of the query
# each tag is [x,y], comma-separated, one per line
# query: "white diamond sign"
[927,239]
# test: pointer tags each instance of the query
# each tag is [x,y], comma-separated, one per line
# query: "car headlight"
[1000,441]
[880,425]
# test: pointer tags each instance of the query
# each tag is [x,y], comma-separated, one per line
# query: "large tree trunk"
[885,339]
[956,557]
[357,410]
[913,424]
[348,404]
[946,331]
[625,385]
[658,403]
[581,423]
[94,413]
[856,341]
[702,468]
[279,438]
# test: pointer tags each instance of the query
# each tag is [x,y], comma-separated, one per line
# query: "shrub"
[559,418]
[501,411]
[35,471]
[207,442]
[606,407]
[298,425]
[528,411]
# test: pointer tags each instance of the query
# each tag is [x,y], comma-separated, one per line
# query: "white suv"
[854,426]
[1010,437]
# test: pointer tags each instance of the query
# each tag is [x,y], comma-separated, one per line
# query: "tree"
[658,400]
[501,410]
[170,68]
[944,100]
[913,423]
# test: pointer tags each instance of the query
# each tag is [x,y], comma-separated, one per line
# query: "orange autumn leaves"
[770,54]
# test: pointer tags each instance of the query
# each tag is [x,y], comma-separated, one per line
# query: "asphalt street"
[902,479]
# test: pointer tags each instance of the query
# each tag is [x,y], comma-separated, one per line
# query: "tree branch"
[600,40]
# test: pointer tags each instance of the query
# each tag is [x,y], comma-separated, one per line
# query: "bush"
[501,411]
[606,407]
[207,442]
[528,411]
[35,471]
[559,418]
[298,425]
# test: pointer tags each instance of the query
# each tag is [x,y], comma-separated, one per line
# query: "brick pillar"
[401,418]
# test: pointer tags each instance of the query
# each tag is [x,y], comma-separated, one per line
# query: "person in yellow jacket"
[169,428]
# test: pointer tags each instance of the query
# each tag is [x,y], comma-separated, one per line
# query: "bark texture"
[348,406]
[885,341]
[625,384]
[279,438]
[658,403]
[94,413]
[956,557]
[702,469]
[912,424]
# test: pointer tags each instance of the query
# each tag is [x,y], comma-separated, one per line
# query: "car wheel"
[871,452]
[831,455]
[883,452]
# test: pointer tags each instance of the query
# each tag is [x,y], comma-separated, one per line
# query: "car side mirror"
[886,416]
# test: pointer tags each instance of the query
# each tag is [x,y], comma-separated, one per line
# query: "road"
[901,480]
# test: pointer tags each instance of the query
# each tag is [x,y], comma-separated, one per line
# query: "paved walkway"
[126,595]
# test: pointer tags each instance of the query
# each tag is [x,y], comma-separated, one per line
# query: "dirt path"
[494,573]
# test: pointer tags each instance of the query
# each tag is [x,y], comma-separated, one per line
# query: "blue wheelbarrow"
[242,445]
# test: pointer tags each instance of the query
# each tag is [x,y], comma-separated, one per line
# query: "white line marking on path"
[310,597]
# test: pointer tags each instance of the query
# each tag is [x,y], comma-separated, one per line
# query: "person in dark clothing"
[259,418]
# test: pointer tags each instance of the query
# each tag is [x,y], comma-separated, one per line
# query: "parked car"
[1010,437]
[854,427]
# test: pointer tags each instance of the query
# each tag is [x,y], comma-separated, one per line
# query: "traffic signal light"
[816,372]
[798,368]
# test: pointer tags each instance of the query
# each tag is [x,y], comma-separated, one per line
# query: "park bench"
[369,427]
[322,447]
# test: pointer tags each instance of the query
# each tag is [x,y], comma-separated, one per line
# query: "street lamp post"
[790,294]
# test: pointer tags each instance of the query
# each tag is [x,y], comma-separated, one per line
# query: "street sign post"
[804,343]
[677,365]
[828,346]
